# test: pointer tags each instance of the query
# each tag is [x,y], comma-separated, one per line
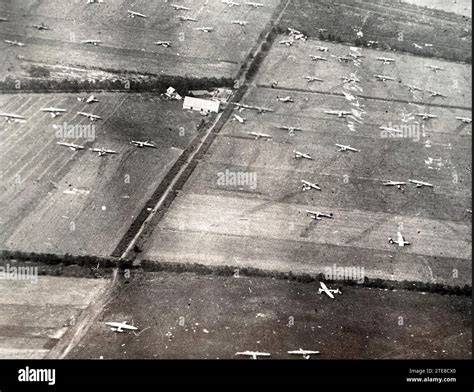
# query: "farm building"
[201,105]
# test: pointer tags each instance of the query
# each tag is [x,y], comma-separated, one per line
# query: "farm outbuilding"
[201,105]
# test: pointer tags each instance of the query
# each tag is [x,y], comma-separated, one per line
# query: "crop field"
[289,65]
[56,200]
[128,43]
[392,24]
[245,198]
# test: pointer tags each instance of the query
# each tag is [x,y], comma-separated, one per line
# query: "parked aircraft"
[384,78]
[311,79]
[420,184]
[255,5]
[205,29]
[94,42]
[239,119]
[180,7]
[54,111]
[10,117]
[301,155]
[90,116]
[385,60]
[285,99]
[240,22]
[253,354]
[329,292]
[466,120]
[120,327]
[398,184]
[187,18]
[425,116]
[71,146]
[436,94]
[322,48]
[400,240]
[14,43]
[391,130]
[317,58]
[344,148]
[41,27]
[102,151]
[309,185]
[338,113]
[165,44]
[434,68]
[143,144]
[288,42]
[305,353]
[259,135]
[413,88]
[316,215]
[230,3]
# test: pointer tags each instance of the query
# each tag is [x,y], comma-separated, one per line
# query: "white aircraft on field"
[240,22]
[143,144]
[413,88]
[291,130]
[94,42]
[344,148]
[180,7]
[329,292]
[301,155]
[436,94]
[71,146]
[400,240]
[103,151]
[417,46]
[91,99]
[316,215]
[307,186]
[434,68]
[466,120]
[391,130]
[165,44]
[239,119]
[338,113]
[288,42]
[296,35]
[205,29]
[385,60]
[53,111]
[14,43]
[187,18]
[90,116]
[230,3]
[259,135]
[120,327]
[425,116]
[317,58]
[343,59]
[10,117]
[41,27]
[253,354]
[285,99]
[398,184]
[133,14]
[305,353]
[3,20]
[420,184]
[384,78]
[322,48]
[255,5]
[350,79]
[311,79]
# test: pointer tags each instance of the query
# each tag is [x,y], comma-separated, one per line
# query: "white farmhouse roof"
[199,104]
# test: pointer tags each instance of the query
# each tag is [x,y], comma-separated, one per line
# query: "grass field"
[289,65]
[395,25]
[61,201]
[263,224]
[128,43]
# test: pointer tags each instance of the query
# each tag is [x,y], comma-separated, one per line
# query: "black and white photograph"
[269,184]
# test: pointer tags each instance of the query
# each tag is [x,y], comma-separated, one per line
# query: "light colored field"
[462,7]
[288,66]
[128,42]
[37,214]
[34,317]
[264,224]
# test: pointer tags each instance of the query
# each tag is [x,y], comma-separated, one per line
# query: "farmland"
[263,223]
[393,25]
[128,43]
[55,200]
